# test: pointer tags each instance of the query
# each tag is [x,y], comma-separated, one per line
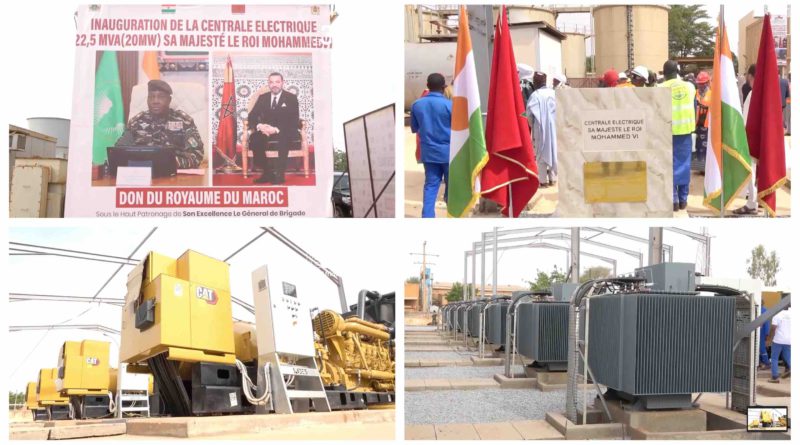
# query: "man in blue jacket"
[430,118]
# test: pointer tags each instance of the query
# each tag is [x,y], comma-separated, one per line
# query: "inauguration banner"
[185,111]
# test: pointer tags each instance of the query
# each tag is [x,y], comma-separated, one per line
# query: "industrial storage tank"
[526,14]
[53,126]
[422,59]
[649,28]
[573,55]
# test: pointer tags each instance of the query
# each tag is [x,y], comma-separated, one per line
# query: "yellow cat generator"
[56,406]
[85,378]
[38,411]
[177,324]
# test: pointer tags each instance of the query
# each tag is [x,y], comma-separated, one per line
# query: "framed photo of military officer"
[150,119]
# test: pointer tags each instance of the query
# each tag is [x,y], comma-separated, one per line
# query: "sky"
[730,248]
[47,57]
[345,247]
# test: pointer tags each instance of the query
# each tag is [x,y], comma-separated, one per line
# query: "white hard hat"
[622,75]
[641,71]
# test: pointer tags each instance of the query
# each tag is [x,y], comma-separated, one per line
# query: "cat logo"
[209,295]
[94,361]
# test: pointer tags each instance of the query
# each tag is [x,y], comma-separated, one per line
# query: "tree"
[456,292]
[594,273]
[763,266]
[16,397]
[412,279]
[689,32]
[544,280]
[339,161]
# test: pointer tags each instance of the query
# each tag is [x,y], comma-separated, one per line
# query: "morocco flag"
[226,132]
[728,159]
[512,164]
[467,143]
[765,127]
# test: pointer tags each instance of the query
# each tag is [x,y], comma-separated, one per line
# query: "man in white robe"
[541,112]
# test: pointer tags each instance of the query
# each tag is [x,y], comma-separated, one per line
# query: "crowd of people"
[691,98]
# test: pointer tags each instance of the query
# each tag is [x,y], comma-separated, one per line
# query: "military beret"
[159,85]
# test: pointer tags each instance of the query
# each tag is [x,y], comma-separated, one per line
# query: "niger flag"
[728,159]
[467,143]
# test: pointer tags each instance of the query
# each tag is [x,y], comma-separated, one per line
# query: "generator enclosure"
[83,368]
[669,277]
[179,307]
[31,398]
[658,348]
[563,291]
[496,322]
[48,394]
[542,333]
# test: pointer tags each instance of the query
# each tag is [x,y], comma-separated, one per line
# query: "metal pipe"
[494,264]
[483,266]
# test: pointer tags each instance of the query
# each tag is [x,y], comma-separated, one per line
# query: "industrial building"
[37,168]
[183,358]
[664,350]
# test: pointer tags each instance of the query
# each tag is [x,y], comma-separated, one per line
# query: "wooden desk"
[178,180]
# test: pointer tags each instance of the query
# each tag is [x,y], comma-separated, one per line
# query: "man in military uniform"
[162,126]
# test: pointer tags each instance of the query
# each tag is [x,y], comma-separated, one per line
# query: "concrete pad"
[497,431]
[487,361]
[548,377]
[84,431]
[412,364]
[638,434]
[420,432]
[29,434]
[427,348]
[518,382]
[428,363]
[437,384]
[415,385]
[537,430]
[782,389]
[189,427]
[673,420]
[572,431]
[473,383]
[456,431]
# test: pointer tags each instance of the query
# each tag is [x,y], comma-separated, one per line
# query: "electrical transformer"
[670,277]
[474,319]
[656,349]
[563,291]
[177,324]
[542,333]
[496,322]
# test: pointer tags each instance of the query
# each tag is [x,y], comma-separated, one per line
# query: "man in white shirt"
[781,335]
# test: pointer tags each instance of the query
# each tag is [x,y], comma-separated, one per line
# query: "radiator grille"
[542,332]
[496,327]
[662,343]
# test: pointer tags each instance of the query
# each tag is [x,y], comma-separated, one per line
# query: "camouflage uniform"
[177,131]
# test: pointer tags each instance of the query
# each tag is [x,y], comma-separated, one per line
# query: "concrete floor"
[545,201]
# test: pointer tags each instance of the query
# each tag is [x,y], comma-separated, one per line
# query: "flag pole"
[721,25]
[510,202]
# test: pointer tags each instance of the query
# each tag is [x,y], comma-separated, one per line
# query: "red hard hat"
[610,77]
[703,77]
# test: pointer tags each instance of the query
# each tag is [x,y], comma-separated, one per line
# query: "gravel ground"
[454,372]
[481,405]
[437,355]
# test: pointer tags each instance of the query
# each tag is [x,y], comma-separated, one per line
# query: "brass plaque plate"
[624,181]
